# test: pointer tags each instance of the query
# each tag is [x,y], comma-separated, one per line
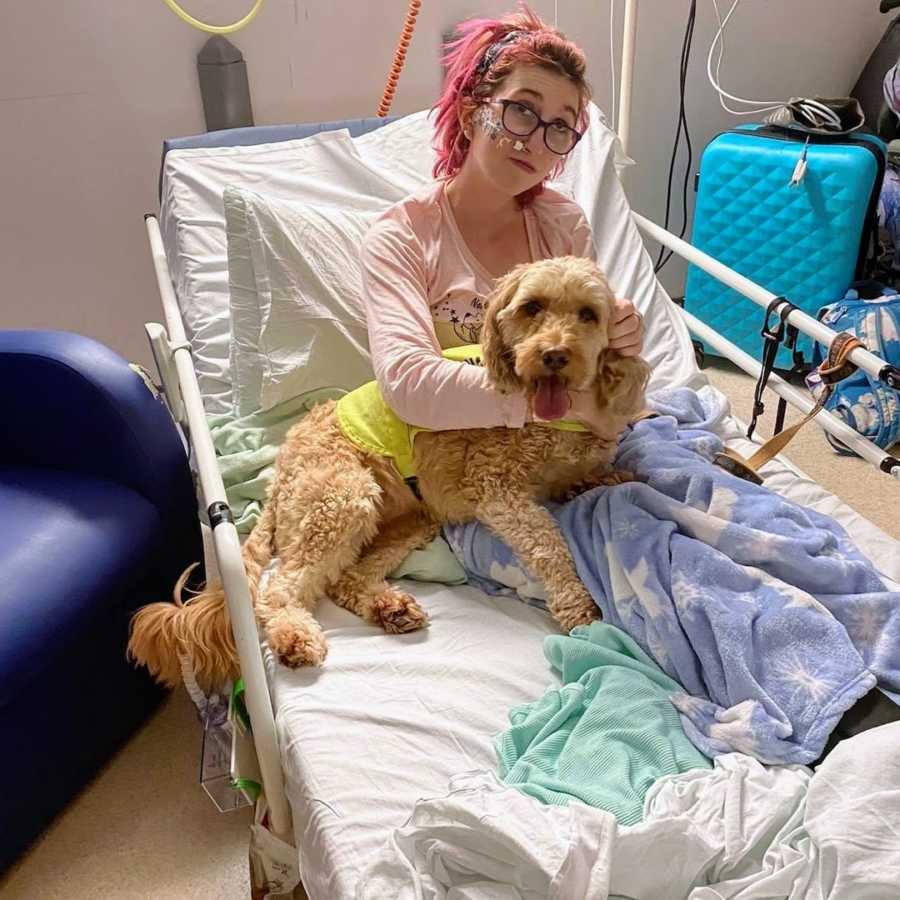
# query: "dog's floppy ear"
[621,383]
[499,359]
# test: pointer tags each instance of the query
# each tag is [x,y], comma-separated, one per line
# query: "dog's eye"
[532,307]
[586,314]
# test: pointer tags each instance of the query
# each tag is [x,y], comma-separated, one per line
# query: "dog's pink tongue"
[551,400]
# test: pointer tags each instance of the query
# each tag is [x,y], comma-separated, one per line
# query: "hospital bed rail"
[863,359]
[172,352]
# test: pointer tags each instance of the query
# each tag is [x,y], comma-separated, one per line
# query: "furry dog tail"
[197,632]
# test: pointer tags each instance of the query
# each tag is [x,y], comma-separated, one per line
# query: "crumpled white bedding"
[740,831]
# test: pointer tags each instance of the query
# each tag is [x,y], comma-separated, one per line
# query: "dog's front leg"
[532,534]
[362,588]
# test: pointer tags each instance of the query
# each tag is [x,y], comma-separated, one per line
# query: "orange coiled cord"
[409,25]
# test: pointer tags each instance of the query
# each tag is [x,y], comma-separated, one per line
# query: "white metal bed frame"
[172,354]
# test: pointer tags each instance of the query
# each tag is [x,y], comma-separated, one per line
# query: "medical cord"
[214,29]
[409,25]
[663,258]
[760,106]
[813,109]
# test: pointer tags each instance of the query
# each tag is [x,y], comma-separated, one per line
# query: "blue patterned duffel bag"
[864,403]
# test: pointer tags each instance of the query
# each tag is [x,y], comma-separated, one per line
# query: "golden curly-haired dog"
[341,519]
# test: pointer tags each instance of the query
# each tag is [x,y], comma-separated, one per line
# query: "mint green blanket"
[606,735]
[246,449]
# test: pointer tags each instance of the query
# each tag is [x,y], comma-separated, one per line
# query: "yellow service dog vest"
[368,422]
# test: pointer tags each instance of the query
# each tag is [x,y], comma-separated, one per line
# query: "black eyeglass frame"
[506,103]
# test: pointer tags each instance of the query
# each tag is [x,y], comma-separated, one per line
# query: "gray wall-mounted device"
[224,85]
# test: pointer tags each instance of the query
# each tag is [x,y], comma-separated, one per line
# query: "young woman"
[512,109]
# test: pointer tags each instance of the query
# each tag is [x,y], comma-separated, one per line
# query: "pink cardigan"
[423,290]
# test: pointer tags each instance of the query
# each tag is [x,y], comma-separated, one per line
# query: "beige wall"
[89,89]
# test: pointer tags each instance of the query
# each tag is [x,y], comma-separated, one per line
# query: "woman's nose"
[535,142]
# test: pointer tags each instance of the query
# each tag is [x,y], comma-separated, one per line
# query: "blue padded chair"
[97,517]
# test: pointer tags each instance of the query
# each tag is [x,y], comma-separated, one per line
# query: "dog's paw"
[297,647]
[576,490]
[614,477]
[576,607]
[574,618]
[397,613]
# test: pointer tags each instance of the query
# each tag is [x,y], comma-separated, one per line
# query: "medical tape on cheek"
[488,119]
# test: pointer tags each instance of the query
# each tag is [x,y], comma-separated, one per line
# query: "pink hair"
[464,84]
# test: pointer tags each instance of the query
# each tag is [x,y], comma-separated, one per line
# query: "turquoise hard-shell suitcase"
[807,241]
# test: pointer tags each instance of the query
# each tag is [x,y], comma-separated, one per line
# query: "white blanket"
[740,831]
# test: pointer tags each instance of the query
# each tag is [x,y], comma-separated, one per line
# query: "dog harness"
[370,424]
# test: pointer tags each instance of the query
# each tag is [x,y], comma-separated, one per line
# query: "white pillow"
[401,151]
[295,281]
[324,168]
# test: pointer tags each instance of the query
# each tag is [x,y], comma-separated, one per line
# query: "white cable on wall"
[759,106]
[813,109]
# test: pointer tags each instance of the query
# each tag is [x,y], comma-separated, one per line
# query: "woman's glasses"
[523,121]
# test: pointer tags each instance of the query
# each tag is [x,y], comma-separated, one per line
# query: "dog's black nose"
[555,360]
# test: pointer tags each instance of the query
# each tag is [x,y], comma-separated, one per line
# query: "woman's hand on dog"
[626,330]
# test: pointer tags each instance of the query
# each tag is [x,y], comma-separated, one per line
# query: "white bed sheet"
[390,718]
[739,831]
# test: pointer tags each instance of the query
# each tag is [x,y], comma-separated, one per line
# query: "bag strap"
[772,338]
[836,367]
[793,335]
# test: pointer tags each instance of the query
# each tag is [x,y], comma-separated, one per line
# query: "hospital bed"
[345,751]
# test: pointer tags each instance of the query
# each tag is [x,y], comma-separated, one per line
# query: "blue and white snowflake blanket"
[764,611]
